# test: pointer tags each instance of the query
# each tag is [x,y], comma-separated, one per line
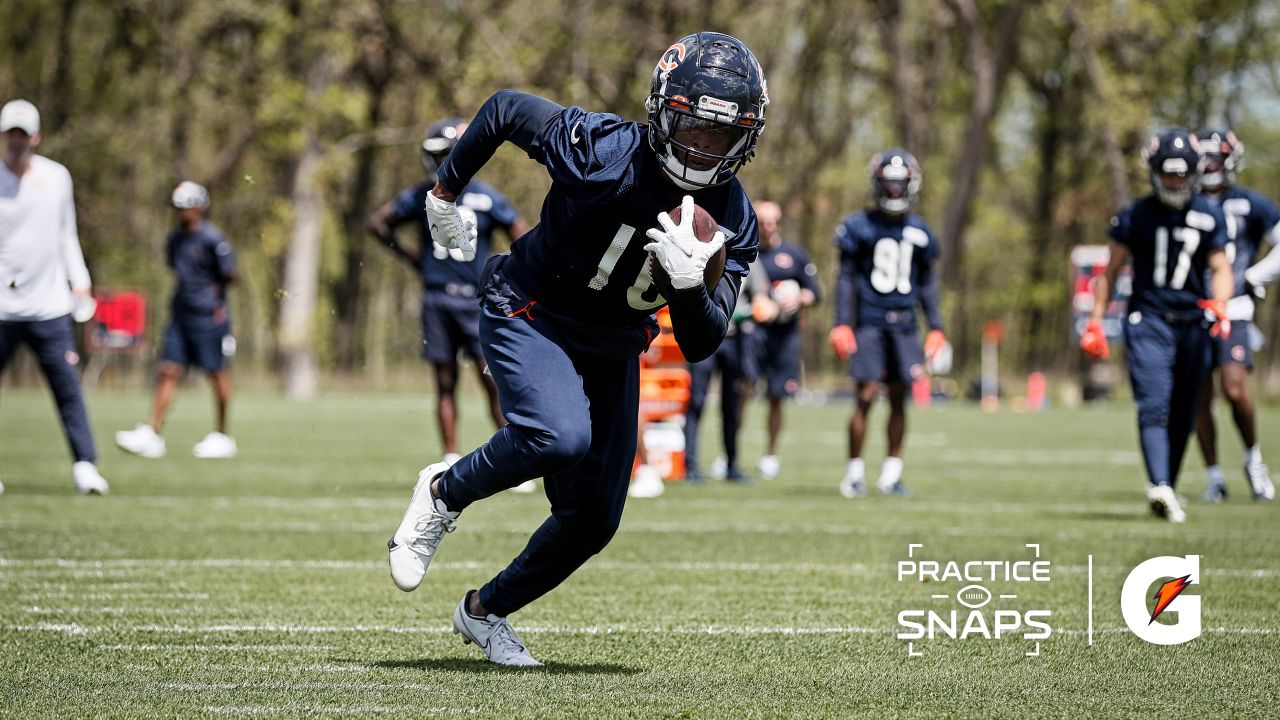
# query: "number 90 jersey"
[586,258]
[891,258]
[1170,249]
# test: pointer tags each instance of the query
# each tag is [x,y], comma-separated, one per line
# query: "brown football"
[704,227]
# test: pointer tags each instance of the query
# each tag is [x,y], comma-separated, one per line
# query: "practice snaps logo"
[1175,574]
[982,614]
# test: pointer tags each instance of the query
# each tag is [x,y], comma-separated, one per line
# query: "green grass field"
[258,586]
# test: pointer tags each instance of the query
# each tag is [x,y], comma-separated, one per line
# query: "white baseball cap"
[20,114]
[190,195]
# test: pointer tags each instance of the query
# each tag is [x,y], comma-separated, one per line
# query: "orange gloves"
[842,341]
[933,344]
[1094,342]
[1222,324]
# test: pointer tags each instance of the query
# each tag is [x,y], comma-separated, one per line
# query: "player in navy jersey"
[567,312]
[735,361]
[886,269]
[1173,236]
[200,332]
[793,282]
[450,284]
[1252,219]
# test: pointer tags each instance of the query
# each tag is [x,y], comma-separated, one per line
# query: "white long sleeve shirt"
[40,256]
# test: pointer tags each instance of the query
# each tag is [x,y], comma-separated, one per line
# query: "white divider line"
[333,710]
[469,565]
[622,629]
[238,648]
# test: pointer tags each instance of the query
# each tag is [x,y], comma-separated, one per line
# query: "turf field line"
[332,710]
[856,527]
[470,565]
[230,668]
[110,610]
[620,629]
[171,647]
[57,595]
[290,685]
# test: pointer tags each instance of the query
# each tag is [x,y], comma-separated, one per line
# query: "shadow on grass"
[476,665]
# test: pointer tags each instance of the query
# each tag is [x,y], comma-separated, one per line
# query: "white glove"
[449,229]
[679,251]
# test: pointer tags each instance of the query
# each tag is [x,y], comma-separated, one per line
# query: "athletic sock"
[1253,456]
[890,472]
[1214,476]
[855,469]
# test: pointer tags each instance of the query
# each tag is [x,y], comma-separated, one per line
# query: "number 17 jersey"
[1170,249]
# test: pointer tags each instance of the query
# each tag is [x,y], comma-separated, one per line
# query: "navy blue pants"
[1168,363]
[54,344]
[572,419]
[734,359]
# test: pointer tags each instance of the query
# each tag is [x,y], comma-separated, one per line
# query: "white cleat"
[88,480]
[526,487]
[424,525]
[770,466]
[143,441]
[647,483]
[1164,503]
[451,458]
[492,634]
[215,445]
[852,487]
[1260,481]
[719,467]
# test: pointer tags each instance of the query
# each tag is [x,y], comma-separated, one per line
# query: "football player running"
[886,269]
[450,284]
[567,312]
[1174,236]
[1252,218]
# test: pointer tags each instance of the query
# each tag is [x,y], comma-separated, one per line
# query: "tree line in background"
[302,116]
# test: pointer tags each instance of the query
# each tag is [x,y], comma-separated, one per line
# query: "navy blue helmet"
[1223,158]
[1173,164]
[706,109]
[441,136]
[895,180]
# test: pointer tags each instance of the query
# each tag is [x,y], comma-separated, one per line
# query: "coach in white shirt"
[43,277]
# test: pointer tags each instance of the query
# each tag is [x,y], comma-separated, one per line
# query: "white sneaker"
[215,445]
[647,483]
[770,465]
[88,479]
[424,525]
[492,634]
[1260,481]
[451,458]
[526,487]
[1,488]
[1164,503]
[142,440]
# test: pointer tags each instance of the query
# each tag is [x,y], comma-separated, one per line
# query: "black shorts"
[780,358]
[204,346]
[887,354]
[450,324]
[1236,348]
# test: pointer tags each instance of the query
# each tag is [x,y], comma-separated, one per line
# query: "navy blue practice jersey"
[1250,215]
[790,262]
[889,259]
[1170,249]
[204,263]
[478,202]
[586,258]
